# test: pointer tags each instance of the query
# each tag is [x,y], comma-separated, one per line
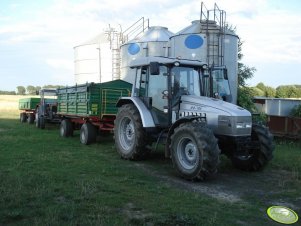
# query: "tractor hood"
[222,117]
[211,105]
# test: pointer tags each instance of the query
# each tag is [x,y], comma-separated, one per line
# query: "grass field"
[48,180]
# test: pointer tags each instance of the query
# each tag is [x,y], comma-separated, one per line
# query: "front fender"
[145,114]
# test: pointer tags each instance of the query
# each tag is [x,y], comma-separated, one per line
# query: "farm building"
[280,121]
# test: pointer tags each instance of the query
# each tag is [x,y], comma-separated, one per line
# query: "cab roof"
[142,61]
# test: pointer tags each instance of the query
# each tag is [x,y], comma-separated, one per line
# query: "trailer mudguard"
[145,114]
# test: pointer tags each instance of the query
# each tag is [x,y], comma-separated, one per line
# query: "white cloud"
[271,37]
[61,64]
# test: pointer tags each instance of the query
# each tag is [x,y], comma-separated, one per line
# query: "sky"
[37,37]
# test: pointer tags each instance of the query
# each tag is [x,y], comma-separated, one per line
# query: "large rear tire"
[194,151]
[87,134]
[130,136]
[66,128]
[260,153]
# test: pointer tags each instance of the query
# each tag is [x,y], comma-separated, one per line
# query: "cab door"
[157,85]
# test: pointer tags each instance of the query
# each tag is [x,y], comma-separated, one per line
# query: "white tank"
[199,41]
[93,60]
[152,43]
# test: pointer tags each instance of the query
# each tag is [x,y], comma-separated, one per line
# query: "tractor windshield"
[185,81]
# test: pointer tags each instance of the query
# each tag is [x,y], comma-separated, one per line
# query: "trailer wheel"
[66,128]
[30,118]
[260,152]
[194,151]
[130,136]
[23,117]
[87,134]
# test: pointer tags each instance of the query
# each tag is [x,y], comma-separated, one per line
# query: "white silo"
[210,41]
[153,42]
[95,61]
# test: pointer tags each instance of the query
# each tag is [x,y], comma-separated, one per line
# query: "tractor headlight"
[243,125]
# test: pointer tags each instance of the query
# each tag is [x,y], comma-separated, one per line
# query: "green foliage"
[256,92]
[245,99]
[267,90]
[52,86]
[31,90]
[7,92]
[261,86]
[296,111]
[244,94]
[288,91]
[21,90]
[270,91]
[244,72]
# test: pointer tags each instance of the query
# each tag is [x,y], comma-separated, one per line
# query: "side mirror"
[154,68]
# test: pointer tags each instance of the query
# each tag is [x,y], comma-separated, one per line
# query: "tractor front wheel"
[194,151]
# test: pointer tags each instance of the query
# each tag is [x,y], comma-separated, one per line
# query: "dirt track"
[232,185]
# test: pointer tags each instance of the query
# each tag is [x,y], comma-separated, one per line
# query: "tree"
[7,92]
[261,86]
[288,91]
[244,94]
[267,90]
[21,90]
[270,91]
[255,91]
[52,86]
[244,72]
[31,89]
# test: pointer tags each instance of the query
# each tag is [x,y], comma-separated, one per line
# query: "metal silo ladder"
[114,37]
[116,58]
[215,41]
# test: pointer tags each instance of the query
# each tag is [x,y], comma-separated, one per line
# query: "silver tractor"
[173,102]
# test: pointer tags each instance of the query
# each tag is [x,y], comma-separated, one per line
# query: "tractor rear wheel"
[87,133]
[66,128]
[260,152]
[130,136]
[194,151]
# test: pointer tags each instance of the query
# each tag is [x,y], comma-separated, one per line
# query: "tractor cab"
[161,83]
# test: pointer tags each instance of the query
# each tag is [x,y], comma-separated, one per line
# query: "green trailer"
[28,107]
[90,107]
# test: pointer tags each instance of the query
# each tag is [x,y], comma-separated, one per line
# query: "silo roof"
[154,34]
[100,38]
